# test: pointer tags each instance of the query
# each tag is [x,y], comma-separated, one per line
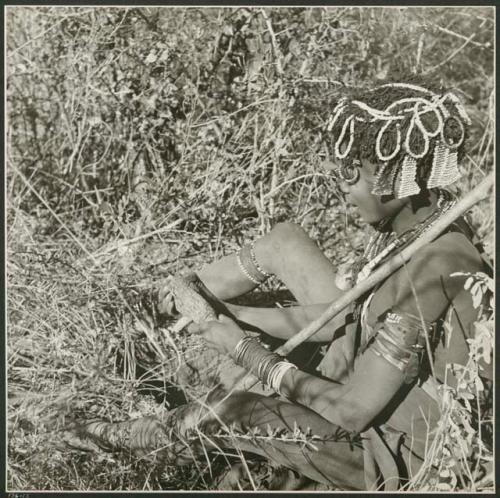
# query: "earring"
[408,185]
[349,173]
[384,179]
[439,160]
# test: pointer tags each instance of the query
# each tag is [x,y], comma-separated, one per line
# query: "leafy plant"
[461,454]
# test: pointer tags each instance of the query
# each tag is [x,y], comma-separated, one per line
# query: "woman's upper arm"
[418,296]
[351,406]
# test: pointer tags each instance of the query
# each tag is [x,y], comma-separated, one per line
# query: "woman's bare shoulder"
[451,252]
[429,279]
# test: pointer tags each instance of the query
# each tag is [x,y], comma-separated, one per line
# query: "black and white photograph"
[249,248]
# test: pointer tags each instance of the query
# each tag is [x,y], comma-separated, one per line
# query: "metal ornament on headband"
[403,125]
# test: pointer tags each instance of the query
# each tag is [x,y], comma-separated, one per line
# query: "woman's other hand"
[223,334]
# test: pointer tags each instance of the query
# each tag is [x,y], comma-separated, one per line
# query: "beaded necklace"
[382,243]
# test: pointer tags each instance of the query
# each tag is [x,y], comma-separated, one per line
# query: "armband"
[400,339]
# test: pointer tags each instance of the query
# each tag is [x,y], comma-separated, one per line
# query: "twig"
[224,116]
[272,192]
[53,213]
[420,49]
[458,35]
[124,243]
[451,56]
[274,42]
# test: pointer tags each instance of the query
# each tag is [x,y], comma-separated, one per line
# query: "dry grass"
[148,141]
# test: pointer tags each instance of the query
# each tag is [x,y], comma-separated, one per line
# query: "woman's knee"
[285,232]
[277,242]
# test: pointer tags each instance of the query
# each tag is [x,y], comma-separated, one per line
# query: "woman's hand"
[223,333]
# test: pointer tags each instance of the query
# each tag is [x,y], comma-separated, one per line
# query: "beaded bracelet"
[250,354]
[245,271]
[249,266]
[255,262]
[241,347]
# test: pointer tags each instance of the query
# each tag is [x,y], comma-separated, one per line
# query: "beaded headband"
[408,133]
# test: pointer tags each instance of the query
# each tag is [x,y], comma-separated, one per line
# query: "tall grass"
[144,141]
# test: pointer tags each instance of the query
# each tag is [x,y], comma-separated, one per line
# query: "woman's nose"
[328,166]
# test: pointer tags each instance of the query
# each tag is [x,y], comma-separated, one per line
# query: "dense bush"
[147,140]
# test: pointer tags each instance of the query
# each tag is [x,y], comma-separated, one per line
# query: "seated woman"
[394,147]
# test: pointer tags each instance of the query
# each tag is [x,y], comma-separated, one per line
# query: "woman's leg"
[287,252]
[333,456]
[297,261]
[286,434]
[290,254]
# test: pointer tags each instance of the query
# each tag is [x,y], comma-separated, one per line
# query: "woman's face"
[372,208]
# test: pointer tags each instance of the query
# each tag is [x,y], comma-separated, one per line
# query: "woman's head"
[356,179]
[400,139]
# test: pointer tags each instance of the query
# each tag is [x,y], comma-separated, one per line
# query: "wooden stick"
[473,197]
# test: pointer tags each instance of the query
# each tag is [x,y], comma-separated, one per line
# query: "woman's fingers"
[165,290]
[194,328]
[166,305]
[166,301]
[202,328]
[225,320]
[222,333]
[213,331]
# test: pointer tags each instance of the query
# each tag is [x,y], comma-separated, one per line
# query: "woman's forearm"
[310,391]
[284,323]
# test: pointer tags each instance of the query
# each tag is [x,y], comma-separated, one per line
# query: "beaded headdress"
[404,129]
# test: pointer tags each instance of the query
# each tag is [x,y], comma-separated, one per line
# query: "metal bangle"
[282,368]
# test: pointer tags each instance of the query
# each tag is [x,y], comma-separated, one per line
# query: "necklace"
[380,246]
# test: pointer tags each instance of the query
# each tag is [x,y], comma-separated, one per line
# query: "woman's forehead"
[329,165]
[331,162]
